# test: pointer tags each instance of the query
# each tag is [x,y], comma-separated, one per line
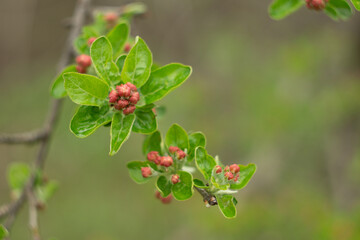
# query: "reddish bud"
[80,69]
[127,47]
[91,40]
[173,149]
[113,96]
[123,90]
[227,168]
[111,17]
[152,156]
[122,103]
[175,179]
[218,169]
[180,154]
[316,4]
[129,109]
[146,172]
[236,178]
[157,194]
[135,97]
[234,168]
[229,175]
[131,86]
[83,60]
[166,161]
[166,200]
[154,111]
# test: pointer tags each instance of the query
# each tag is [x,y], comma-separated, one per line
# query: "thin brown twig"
[209,199]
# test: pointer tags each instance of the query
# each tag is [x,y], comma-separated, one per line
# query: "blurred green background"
[284,95]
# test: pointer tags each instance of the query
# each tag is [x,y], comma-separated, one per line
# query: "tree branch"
[209,199]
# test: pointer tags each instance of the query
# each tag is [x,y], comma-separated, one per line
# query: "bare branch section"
[23,138]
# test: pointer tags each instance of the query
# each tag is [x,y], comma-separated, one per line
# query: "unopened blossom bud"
[146,172]
[151,156]
[157,194]
[131,86]
[83,60]
[316,4]
[166,200]
[180,154]
[123,90]
[110,17]
[135,97]
[91,40]
[227,168]
[122,103]
[127,47]
[236,178]
[175,179]
[113,96]
[129,109]
[173,149]
[80,69]
[234,168]
[166,161]
[218,169]
[229,175]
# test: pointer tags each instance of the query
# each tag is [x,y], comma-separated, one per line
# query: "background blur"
[284,95]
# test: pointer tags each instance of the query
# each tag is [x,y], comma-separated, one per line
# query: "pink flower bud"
[131,86]
[166,200]
[129,109]
[127,47]
[110,17]
[227,168]
[236,178]
[83,60]
[180,154]
[229,175]
[166,161]
[122,103]
[80,69]
[234,168]
[175,179]
[146,172]
[113,96]
[152,156]
[134,98]
[123,90]
[316,4]
[218,169]
[158,195]
[91,40]
[173,149]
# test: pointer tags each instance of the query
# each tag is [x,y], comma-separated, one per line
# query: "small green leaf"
[152,143]
[338,9]
[120,130]
[81,45]
[3,232]
[163,80]
[18,174]
[196,139]
[58,89]
[164,186]
[44,193]
[356,4]
[145,121]
[89,118]
[183,190]
[245,174]
[102,58]
[120,62]
[200,184]
[280,9]
[137,64]
[177,136]
[226,205]
[135,171]
[117,37]
[134,9]
[204,162]
[86,89]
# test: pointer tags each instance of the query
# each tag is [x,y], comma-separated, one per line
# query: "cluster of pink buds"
[316,4]
[146,172]
[230,172]
[91,40]
[180,154]
[124,98]
[165,161]
[83,62]
[164,200]
[111,19]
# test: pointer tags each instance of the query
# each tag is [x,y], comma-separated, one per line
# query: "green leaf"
[338,9]
[356,4]
[44,193]
[183,190]
[196,139]
[58,89]
[18,174]
[89,118]
[120,62]
[102,58]
[204,162]
[280,9]
[163,80]
[117,37]
[81,45]
[200,184]
[120,130]
[226,205]
[86,89]
[245,174]
[137,64]
[135,171]
[177,136]
[3,232]
[152,143]
[145,121]
[134,9]
[164,186]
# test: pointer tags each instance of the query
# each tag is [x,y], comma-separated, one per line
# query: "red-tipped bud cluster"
[154,157]
[316,4]
[180,154]
[127,47]
[175,179]
[146,172]
[232,172]
[234,168]
[124,98]
[166,161]
[83,62]
[218,169]
[229,175]
[91,40]
[164,200]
